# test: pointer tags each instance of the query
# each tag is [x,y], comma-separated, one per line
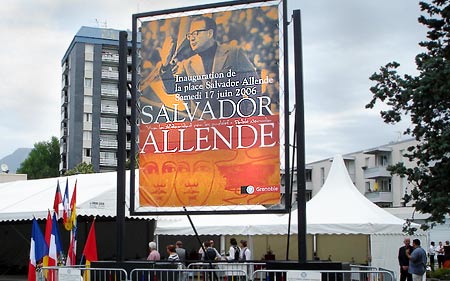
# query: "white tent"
[23,200]
[338,208]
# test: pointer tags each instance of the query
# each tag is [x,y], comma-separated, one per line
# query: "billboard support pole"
[300,134]
[121,144]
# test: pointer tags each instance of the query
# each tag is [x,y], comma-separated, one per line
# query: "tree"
[43,160]
[425,98]
[82,168]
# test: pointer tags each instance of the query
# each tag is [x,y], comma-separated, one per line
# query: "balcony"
[108,162]
[109,109]
[108,144]
[376,172]
[110,75]
[110,92]
[64,100]
[64,132]
[109,57]
[379,196]
[108,127]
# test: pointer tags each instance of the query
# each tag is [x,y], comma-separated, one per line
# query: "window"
[308,175]
[322,175]
[382,160]
[88,82]
[88,117]
[87,135]
[385,185]
[87,152]
[87,100]
[367,184]
[88,48]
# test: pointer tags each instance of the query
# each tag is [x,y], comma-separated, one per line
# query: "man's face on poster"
[199,37]
[193,183]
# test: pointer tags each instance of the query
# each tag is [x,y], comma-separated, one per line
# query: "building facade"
[368,171]
[89,107]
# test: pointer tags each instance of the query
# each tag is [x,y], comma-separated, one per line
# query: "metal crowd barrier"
[208,273]
[80,273]
[323,275]
[237,270]
[215,271]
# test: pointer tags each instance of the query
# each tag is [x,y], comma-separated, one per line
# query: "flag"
[90,248]
[38,249]
[47,236]
[73,207]
[90,251]
[72,252]
[66,207]
[58,199]
[54,248]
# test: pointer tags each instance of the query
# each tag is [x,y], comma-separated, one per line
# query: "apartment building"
[368,171]
[89,97]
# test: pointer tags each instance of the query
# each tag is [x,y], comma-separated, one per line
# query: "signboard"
[210,107]
[295,275]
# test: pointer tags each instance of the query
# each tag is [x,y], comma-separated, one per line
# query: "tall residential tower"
[89,97]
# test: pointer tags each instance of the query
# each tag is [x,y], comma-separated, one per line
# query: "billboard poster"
[209,132]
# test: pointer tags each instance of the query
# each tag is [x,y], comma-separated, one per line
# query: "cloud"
[344,42]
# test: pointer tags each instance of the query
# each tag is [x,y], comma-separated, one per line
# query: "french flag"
[38,249]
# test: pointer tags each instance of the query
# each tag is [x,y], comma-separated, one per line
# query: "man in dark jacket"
[403,260]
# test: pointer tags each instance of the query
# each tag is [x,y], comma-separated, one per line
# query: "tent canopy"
[338,208]
[23,200]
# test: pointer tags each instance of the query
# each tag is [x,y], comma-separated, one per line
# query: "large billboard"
[209,132]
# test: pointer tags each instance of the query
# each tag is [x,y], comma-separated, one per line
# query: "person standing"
[403,260]
[173,256]
[446,253]
[440,254]
[234,252]
[246,254]
[417,261]
[154,254]
[431,254]
[182,253]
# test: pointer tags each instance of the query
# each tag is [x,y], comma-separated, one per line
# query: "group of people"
[235,253]
[412,260]
[207,252]
[174,252]
[440,252]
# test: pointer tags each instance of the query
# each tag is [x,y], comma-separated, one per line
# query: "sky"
[344,42]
